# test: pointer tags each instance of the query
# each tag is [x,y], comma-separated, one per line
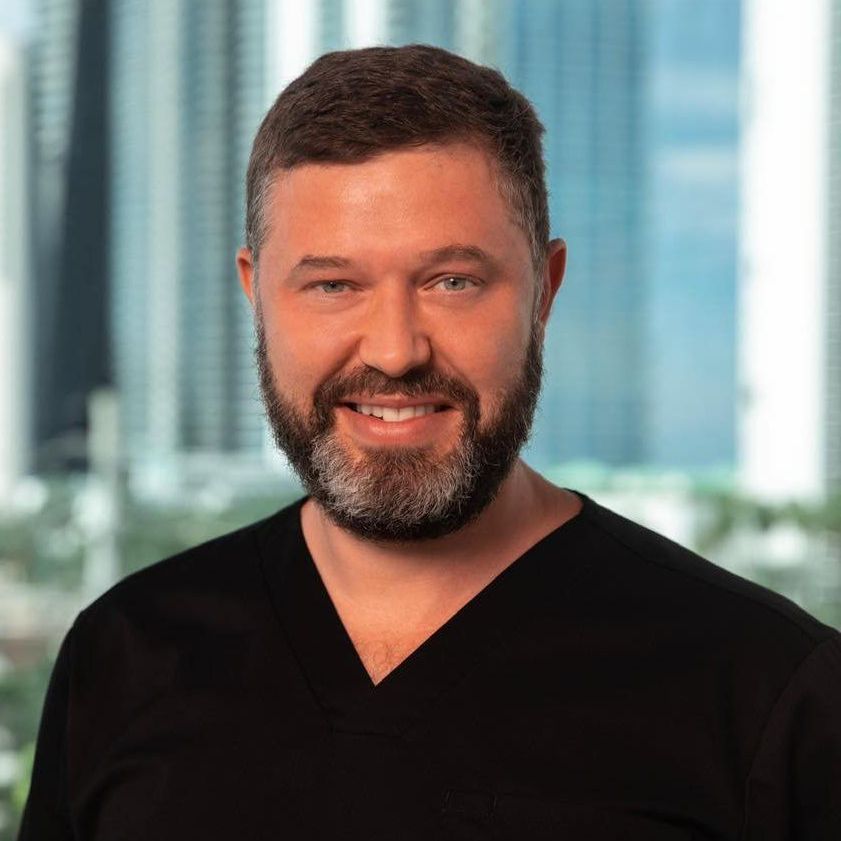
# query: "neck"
[418,579]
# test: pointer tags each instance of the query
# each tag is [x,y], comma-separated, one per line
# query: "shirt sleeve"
[46,815]
[794,786]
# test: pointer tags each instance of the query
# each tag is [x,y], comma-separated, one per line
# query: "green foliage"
[731,512]
[46,545]
[21,699]
[20,790]
[150,533]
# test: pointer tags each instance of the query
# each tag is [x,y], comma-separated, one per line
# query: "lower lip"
[416,430]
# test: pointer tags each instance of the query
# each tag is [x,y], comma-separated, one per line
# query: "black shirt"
[608,684]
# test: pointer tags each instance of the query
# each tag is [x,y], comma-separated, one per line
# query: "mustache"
[415,383]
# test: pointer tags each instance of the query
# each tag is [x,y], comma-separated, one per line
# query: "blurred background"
[693,360]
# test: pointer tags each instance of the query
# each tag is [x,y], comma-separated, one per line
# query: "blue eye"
[455,283]
[331,287]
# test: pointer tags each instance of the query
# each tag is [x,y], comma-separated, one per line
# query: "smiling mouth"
[391,414]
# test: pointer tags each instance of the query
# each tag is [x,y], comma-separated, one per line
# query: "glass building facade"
[693,199]
[68,153]
[188,94]
[582,65]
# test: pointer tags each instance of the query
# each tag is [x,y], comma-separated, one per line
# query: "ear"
[553,277]
[247,272]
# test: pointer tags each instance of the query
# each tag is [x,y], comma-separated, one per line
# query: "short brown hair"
[351,105]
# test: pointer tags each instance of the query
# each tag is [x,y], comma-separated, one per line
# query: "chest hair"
[381,655]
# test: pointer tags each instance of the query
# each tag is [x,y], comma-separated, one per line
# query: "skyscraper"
[582,63]
[692,220]
[187,95]
[68,159]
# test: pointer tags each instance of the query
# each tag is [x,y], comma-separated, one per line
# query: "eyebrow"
[455,251]
[312,261]
[470,253]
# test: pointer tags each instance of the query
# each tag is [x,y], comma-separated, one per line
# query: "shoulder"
[196,619]
[677,570]
[690,603]
[206,604]
[211,578]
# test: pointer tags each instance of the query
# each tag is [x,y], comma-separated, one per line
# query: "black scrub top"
[608,684]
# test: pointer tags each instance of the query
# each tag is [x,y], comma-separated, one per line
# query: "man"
[436,642]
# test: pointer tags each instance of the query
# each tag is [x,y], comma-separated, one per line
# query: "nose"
[393,340]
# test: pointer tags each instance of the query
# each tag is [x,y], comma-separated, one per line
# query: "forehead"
[421,197]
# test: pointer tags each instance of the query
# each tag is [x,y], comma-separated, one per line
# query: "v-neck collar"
[329,661]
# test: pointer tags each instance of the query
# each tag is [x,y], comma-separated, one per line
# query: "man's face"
[399,356]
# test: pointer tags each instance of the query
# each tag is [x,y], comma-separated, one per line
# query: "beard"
[402,494]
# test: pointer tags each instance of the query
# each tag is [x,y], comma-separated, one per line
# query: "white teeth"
[392,415]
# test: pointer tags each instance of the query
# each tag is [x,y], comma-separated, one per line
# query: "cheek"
[301,356]
[491,362]
[503,346]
